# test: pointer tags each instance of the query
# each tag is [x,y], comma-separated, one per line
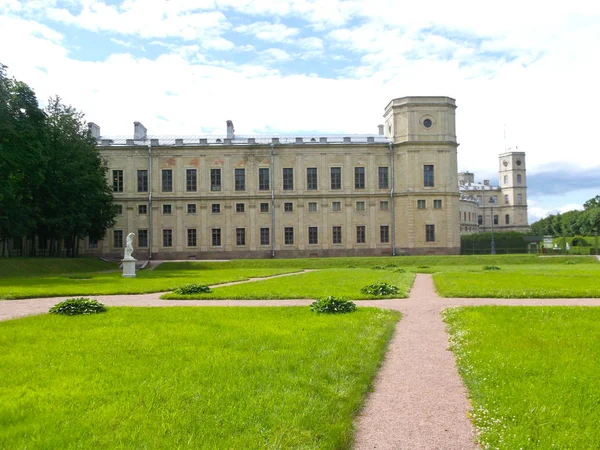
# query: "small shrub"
[76,306]
[380,289]
[350,267]
[569,262]
[378,268]
[400,270]
[491,268]
[422,267]
[332,305]
[390,266]
[193,288]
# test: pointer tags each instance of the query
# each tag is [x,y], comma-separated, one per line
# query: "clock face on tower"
[505,163]
[518,162]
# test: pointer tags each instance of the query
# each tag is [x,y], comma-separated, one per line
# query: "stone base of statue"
[129,267]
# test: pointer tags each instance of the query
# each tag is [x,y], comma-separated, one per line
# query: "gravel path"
[418,400]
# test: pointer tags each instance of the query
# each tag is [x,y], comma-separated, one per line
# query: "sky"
[525,74]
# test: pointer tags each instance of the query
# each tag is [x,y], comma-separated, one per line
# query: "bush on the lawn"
[332,305]
[76,306]
[491,268]
[378,268]
[400,270]
[380,289]
[193,288]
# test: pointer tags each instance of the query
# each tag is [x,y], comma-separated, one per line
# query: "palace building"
[395,192]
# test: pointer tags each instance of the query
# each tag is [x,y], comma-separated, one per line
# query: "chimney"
[230,130]
[486,182]
[139,131]
[94,130]
[380,127]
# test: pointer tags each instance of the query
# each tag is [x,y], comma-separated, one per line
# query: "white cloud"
[266,31]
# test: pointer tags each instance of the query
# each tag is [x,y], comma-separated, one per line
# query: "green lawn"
[240,378]
[31,267]
[338,282]
[532,374]
[526,281]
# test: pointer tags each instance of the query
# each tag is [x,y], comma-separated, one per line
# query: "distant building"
[505,205]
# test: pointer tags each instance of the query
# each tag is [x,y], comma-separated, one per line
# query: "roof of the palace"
[244,140]
[478,187]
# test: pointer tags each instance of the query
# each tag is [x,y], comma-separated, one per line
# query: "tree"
[592,203]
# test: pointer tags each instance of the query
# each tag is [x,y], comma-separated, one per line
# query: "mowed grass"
[532,374]
[337,282]
[526,281]
[31,267]
[166,278]
[239,378]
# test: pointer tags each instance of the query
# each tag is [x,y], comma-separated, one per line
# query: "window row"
[264,179]
[264,207]
[216,236]
[519,179]
[496,221]
[422,204]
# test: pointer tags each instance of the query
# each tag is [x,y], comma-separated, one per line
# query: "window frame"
[359,177]
[216,236]
[384,232]
[428,175]
[216,181]
[313,235]
[312,179]
[335,178]
[336,235]
[288,235]
[191,180]
[167,237]
[361,234]
[166,180]
[430,233]
[118,178]
[142,180]
[261,234]
[383,177]
[264,184]
[287,178]
[192,233]
[239,177]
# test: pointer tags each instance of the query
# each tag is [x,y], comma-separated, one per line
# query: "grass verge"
[188,377]
[532,374]
[528,281]
[337,282]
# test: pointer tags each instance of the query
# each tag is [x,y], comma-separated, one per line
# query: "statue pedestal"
[129,268]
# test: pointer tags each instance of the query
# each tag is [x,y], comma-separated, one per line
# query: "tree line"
[53,185]
[571,223]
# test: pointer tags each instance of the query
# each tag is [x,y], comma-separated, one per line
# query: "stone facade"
[503,207]
[262,196]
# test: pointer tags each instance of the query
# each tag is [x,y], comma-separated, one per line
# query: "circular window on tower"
[518,162]
[505,163]
[427,123]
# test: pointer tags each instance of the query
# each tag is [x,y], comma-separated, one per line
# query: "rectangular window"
[167,180]
[117,180]
[216,237]
[359,178]
[360,206]
[312,183]
[384,234]
[519,178]
[360,234]
[264,236]
[119,209]
[337,235]
[495,220]
[240,207]
[288,207]
[142,238]
[192,235]
[437,204]
[288,179]
[215,180]
[519,199]
[166,209]
[167,238]
[142,209]
[312,206]
[191,208]
[428,176]
[215,208]
[507,219]
[240,236]
[313,235]
[336,206]
[142,181]
[505,179]
[384,205]
[263,179]
[421,204]
[191,180]
[92,243]
[288,236]
[264,207]
[384,177]
[429,233]
[336,178]
[506,199]
[240,179]
[479,220]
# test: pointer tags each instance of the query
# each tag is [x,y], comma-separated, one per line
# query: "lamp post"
[493,252]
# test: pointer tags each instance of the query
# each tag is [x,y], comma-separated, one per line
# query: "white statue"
[129,246]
